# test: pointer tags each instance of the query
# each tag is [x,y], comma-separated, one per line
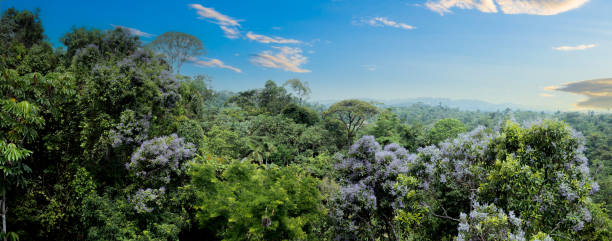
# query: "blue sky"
[516,51]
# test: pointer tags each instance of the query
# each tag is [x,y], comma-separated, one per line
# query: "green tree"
[538,173]
[445,129]
[301,114]
[387,129]
[300,88]
[245,201]
[178,47]
[20,120]
[22,45]
[79,38]
[273,98]
[353,114]
[20,27]
[113,44]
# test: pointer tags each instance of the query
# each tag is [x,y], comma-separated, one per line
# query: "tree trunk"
[178,67]
[4,212]
[348,140]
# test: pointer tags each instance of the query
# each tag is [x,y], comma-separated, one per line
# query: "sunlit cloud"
[552,87]
[598,92]
[574,48]
[210,13]
[546,95]
[228,24]
[382,21]
[444,6]
[266,39]
[213,63]
[230,32]
[539,7]
[286,58]
[134,31]
[533,7]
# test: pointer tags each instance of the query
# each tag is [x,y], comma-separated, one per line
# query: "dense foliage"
[101,140]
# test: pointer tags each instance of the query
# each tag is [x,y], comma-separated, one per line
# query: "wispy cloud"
[546,95]
[533,7]
[228,24]
[134,31]
[444,6]
[286,58]
[266,39]
[213,63]
[574,48]
[210,13]
[230,32]
[382,21]
[369,67]
[598,92]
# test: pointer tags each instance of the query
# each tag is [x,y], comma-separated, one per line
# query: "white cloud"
[230,32]
[286,58]
[444,6]
[265,39]
[134,31]
[228,24]
[369,67]
[574,48]
[211,13]
[533,7]
[539,7]
[213,63]
[382,21]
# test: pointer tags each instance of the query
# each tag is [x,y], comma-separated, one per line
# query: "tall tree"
[20,26]
[353,113]
[178,47]
[301,89]
[444,129]
[19,121]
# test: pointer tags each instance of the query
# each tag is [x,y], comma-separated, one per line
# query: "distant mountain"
[463,104]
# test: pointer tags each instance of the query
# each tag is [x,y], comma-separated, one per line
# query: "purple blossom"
[514,220]
[361,194]
[365,169]
[159,158]
[169,87]
[578,226]
[567,192]
[473,225]
[594,188]
[145,200]
[586,214]
[365,147]
[130,129]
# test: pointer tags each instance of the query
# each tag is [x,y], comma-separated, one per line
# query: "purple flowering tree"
[371,195]
[539,172]
[487,222]
[130,129]
[160,166]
